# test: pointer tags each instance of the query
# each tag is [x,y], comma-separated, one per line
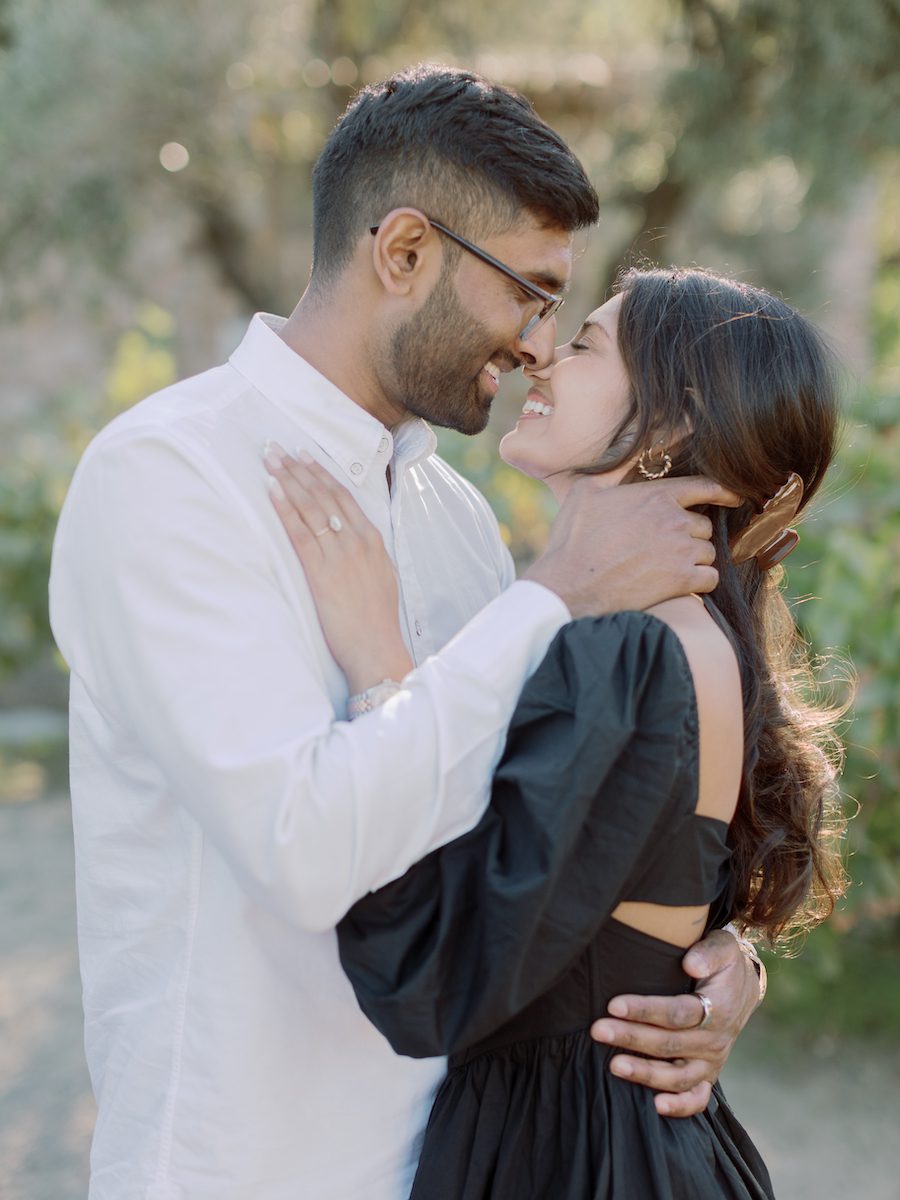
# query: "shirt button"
[356,468]
[418,629]
[383,444]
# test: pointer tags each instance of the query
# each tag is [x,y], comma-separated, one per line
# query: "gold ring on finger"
[707,1011]
[322,532]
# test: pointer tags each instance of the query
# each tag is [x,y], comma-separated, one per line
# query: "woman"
[663,771]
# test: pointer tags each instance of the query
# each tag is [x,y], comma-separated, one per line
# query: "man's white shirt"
[226,815]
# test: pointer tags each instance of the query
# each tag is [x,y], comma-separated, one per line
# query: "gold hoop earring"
[661,457]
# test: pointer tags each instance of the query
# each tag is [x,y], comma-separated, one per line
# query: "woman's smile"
[536,405]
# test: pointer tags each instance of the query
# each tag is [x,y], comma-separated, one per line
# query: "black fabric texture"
[499,949]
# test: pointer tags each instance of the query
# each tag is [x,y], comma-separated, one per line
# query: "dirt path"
[827,1123]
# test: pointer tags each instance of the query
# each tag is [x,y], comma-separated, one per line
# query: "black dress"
[499,949]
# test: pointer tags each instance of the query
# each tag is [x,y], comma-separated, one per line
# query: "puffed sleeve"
[596,766]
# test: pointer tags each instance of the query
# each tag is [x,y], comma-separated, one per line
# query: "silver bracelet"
[748,950]
[364,702]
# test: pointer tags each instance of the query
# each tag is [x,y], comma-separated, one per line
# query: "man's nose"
[537,350]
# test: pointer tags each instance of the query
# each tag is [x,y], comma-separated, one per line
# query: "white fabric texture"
[226,814]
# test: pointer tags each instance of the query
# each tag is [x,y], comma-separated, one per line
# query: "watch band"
[364,702]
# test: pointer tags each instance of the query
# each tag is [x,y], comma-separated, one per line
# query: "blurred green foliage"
[846,580]
[29,505]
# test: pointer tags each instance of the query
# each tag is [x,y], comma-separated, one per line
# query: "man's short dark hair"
[465,151]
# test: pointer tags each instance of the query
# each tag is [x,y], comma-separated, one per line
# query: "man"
[226,815]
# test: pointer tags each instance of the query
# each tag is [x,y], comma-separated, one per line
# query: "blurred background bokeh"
[155,165]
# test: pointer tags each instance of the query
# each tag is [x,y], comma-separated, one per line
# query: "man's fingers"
[667,1028]
[672,1012]
[706,579]
[706,1044]
[697,525]
[687,1104]
[717,951]
[697,489]
[675,1078]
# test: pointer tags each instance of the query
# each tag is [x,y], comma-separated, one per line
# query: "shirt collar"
[350,436]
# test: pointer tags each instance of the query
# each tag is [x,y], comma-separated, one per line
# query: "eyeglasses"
[550,303]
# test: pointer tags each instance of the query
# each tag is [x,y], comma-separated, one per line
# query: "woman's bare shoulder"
[707,648]
[717,685]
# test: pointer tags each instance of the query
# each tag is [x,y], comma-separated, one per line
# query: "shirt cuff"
[550,597]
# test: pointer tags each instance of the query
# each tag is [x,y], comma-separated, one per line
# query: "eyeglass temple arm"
[547,297]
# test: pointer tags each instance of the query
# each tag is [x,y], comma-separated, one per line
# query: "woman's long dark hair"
[754,388]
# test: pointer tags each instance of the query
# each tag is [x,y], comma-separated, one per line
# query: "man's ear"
[406,253]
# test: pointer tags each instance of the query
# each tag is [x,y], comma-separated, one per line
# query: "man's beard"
[432,359]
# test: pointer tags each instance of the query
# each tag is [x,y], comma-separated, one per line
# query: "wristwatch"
[364,702]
